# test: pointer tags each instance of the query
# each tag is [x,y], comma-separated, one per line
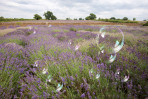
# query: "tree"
[113,18]
[145,24]
[49,15]
[125,18]
[2,18]
[68,19]
[134,19]
[80,19]
[91,17]
[87,18]
[37,17]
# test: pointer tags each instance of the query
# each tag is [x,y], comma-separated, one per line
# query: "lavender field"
[74,61]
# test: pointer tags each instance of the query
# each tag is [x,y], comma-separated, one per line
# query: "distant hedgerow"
[146,24]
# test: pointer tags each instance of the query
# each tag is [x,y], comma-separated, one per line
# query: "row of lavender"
[48,62]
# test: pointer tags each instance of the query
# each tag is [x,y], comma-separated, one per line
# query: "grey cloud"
[23,2]
[73,3]
[107,7]
[75,8]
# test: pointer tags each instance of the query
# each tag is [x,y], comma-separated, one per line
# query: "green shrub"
[18,23]
[29,32]
[55,35]
[89,29]
[93,51]
[125,18]
[37,17]
[73,29]
[146,24]
[76,41]
[62,38]
[77,34]
[56,30]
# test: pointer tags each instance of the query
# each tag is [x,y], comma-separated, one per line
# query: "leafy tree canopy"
[134,19]
[37,17]
[91,17]
[49,15]
[125,18]
[113,18]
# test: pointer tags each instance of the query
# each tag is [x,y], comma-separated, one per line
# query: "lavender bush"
[63,62]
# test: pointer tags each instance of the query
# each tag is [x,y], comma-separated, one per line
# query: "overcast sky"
[75,8]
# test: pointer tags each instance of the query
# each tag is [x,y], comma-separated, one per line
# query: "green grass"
[56,30]
[17,41]
[18,23]
[73,29]
[11,19]
[78,34]
[62,38]
[55,35]
[89,29]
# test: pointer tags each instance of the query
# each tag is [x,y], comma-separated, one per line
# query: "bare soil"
[8,30]
[63,22]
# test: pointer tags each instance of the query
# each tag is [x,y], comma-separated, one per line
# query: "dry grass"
[5,31]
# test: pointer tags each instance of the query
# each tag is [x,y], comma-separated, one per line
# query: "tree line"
[50,16]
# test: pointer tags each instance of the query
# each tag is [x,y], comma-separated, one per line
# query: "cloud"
[75,9]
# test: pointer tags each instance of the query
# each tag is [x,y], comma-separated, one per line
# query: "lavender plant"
[45,65]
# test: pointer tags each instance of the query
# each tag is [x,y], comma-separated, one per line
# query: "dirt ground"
[5,31]
[23,24]
[63,22]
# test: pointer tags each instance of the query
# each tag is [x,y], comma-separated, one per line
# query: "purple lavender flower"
[90,97]
[83,95]
[93,93]
[63,80]
[71,78]
[52,97]
[81,85]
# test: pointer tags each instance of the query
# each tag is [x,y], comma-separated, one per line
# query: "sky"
[63,9]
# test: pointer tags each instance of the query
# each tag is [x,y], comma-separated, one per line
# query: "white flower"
[44,71]
[117,74]
[34,32]
[49,25]
[36,64]
[49,78]
[102,51]
[69,43]
[77,47]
